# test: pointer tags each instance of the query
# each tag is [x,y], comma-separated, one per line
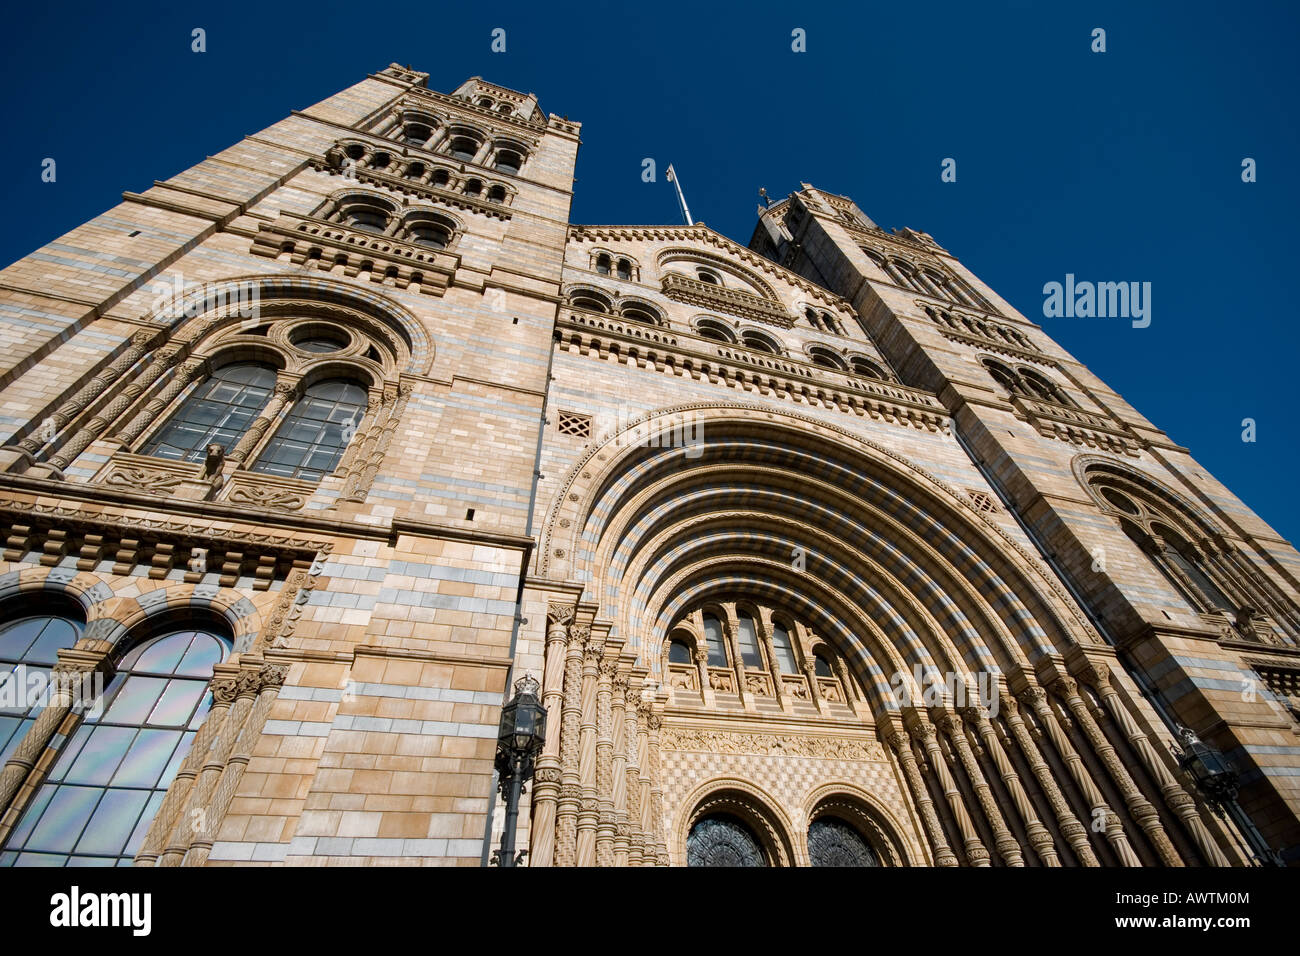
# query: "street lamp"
[519,740]
[1217,780]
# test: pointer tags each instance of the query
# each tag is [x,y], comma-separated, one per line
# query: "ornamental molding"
[789,745]
[1029,564]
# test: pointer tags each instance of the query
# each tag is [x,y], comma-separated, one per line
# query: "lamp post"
[1217,780]
[519,740]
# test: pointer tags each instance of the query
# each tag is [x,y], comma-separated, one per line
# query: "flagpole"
[681,198]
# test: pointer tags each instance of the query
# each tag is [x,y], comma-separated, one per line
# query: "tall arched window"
[28,653]
[110,777]
[219,411]
[716,643]
[784,649]
[311,440]
[748,640]
[679,652]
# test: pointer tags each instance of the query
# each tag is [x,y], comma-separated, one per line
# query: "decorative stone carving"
[716,741]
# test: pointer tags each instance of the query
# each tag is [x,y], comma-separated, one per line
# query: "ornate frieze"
[794,745]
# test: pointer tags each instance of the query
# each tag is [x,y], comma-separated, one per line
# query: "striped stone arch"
[758,808]
[886,835]
[218,303]
[110,616]
[1092,470]
[883,561]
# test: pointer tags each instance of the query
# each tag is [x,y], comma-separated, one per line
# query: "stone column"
[605,765]
[375,454]
[546,779]
[632,770]
[655,833]
[1035,698]
[246,687]
[101,424]
[89,392]
[901,744]
[1073,831]
[1039,837]
[618,768]
[566,827]
[926,735]
[269,678]
[589,809]
[285,393]
[644,801]
[186,372]
[1176,798]
[68,676]
[222,687]
[1148,818]
[1006,844]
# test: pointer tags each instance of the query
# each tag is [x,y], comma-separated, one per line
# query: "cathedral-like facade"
[821,552]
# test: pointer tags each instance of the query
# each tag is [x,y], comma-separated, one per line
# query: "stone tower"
[820,552]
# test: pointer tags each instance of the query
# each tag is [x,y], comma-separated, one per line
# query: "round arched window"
[723,840]
[110,777]
[832,842]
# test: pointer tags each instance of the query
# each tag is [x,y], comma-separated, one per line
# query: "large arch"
[891,566]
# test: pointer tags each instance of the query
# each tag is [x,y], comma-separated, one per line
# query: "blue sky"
[1122,166]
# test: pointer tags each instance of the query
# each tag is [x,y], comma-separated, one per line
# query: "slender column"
[480,158]
[387,124]
[566,839]
[366,432]
[1148,818]
[286,392]
[223,690]
[605,766]
[1035,698]
[644,802]
[589,813]
[269,679]
[633,771]
[437,139]
[655,837]
[1074,832]
[1039,837]
[375,457]
[185,373]
[1176,798]
[1006,844]
[926,735]
[196,806]
[773,666]
[618,770]
[901,744]
[546,780]
[73,668]
[92,390]
[100,424]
